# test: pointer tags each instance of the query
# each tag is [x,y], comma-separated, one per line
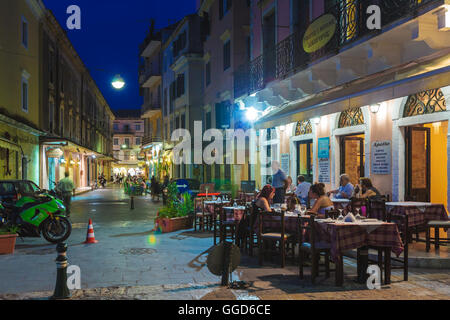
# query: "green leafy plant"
[176,206]
[9,230]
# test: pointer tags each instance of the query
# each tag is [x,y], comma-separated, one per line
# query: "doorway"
[304,159]
[426,162]
[352,157]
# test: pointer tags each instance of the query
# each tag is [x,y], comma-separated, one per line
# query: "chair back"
[307,230]
[357,203]
[239,202]
[377,208]
[209,186]
[198,205]
[272,222]
[332,213]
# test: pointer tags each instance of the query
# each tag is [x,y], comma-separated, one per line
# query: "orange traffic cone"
[90,237]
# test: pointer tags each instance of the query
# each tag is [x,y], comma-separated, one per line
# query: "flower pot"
[174,224]
[7,243]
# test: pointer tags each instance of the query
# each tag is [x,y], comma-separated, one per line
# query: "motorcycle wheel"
[55,231]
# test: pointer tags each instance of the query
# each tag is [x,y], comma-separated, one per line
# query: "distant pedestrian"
[67,187]
[279,182]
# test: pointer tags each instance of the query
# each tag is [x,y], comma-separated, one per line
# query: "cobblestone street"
[131,262]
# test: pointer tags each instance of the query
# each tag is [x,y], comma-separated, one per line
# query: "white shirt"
[302,189]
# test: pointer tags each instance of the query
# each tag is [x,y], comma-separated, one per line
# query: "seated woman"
[264,197]
[367,189]
[291,187]
[322,202]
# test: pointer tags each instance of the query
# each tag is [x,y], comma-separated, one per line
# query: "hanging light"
[374,108]
[118,82]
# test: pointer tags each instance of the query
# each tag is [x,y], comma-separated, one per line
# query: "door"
[417,164]
[269,39]
[352,157]
[304,159]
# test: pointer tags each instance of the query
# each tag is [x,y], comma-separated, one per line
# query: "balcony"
[148,78]
[150,44]
[149,110]
[151,140]
[288,57]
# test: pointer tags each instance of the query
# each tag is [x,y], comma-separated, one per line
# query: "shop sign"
[54,153]
[324,170]
[285,162]
[323,145]
[319,33]
[381,155]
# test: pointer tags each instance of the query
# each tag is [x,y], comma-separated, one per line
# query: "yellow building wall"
[16,60]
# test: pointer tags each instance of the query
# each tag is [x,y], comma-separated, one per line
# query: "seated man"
[302,190]
[345,190]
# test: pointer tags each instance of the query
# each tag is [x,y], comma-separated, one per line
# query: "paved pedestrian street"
[132,262]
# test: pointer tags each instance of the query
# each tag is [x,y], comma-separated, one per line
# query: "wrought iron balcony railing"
[151,139]
[289,56]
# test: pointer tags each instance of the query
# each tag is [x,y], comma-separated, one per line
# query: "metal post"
[61,289]
[226,263]
[132,202]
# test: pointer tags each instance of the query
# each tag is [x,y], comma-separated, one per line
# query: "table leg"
[363,263]
[339,271]
[387,265]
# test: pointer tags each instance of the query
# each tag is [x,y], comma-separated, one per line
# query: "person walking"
[66,187]
[279,182]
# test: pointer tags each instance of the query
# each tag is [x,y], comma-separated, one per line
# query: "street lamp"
[251,114]
[118,82]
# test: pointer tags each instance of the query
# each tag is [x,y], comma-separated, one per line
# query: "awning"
[392,84]
[6,144]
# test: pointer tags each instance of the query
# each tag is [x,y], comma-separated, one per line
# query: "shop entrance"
[352,157]
[426,162]
[304,159]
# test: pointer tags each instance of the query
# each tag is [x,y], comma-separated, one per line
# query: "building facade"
[226,36]
[150,81]
[75,116]
[19,88]
[335,96]
[182,87]
[128,130]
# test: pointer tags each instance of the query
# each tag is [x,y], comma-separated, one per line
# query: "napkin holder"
[349,217]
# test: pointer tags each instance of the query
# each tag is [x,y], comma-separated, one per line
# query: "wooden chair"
[402,223]
[250,237]
[202,217]
[227,228]
[356,203]
[437,225]
[312,246]
[333,214]
[272,235]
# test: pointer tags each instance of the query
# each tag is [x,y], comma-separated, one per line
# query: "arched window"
[303,127]
[351,117]
[425,102]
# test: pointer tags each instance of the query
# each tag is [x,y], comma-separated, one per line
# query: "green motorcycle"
[39,214]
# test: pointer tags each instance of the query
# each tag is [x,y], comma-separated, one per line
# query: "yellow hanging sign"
[319,33]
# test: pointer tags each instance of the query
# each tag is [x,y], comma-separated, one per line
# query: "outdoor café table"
[210,206]
[345,236]
[419,213]
[248,197]
[290,220]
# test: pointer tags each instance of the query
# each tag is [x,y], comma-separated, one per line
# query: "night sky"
[111,31]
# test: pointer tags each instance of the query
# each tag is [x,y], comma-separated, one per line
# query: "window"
[208,73]
[224,7]
[127,142]
[138,141]
[425,102]
[24,94]
[226,55]
[24,32]
[351,117]
[116,141]
[180,85]
[138,127]
[116,126]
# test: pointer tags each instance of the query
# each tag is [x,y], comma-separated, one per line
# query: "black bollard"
[132,202]
[61,289]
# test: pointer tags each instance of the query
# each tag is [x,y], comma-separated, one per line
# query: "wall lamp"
[374,108]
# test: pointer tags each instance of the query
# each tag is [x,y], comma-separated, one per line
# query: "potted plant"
[8,237]
[177,214]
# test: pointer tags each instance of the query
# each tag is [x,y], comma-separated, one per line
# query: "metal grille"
[425,102]
[303,127]
[351,117]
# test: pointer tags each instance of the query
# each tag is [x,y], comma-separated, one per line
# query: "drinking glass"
[341,217]
[357,217]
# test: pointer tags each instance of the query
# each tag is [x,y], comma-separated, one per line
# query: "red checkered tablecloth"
[345,237]
[234,214]
[420,215]
[291,224]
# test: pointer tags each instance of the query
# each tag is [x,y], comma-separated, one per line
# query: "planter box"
[7,243]
[175,224]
